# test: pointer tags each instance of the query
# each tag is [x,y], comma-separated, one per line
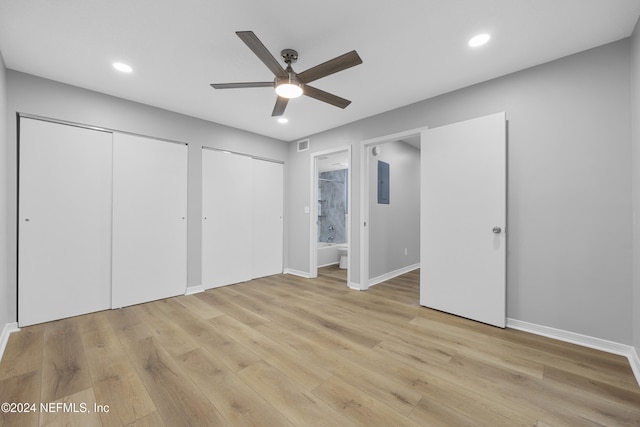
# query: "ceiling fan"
[289,84]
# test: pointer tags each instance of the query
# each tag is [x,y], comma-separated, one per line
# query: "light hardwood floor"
[286,351]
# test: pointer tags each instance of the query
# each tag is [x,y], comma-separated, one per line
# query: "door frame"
[313,211]
[365,146]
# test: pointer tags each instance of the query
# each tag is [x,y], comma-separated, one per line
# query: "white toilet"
[343,253]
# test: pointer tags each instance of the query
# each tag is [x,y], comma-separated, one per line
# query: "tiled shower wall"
[332,206]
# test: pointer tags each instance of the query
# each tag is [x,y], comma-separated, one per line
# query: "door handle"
[497,230]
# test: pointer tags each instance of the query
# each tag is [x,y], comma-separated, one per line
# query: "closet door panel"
[149,219]
[64,248]
[227,224]
[268,205]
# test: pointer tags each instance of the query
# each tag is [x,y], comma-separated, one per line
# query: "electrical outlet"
[406,252]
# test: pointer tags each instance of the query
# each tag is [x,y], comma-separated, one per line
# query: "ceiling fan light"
[289,90]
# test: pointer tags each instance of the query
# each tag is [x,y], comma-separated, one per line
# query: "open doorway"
[330,219]
[390,206]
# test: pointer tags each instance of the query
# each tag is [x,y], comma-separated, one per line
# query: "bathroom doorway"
[330,219]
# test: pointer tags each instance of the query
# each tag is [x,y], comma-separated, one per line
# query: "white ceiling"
[411,49]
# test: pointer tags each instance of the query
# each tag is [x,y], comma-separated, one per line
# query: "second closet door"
[227,224]
[149,220]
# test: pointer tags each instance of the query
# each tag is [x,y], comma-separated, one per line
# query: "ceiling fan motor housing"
[290,56]
[292,78]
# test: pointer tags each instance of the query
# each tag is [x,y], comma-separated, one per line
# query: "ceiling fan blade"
[334,65]
[281,104]
[327,97]
[240,85]
[254,43]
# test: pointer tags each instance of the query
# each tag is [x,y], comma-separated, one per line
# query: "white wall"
[635,130]
[396,226]
[37,96]
[7,302]
[569,195]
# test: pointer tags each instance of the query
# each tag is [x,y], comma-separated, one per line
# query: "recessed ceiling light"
[479,40]
[283,120]
[124,68]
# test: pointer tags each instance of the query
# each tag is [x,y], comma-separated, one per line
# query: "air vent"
[303,145]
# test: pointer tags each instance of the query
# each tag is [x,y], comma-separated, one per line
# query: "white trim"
[364,195]
[634,361]
[238,153]
[194,290]
[296,273]
[327,265]
[8,329]
[584,340]
[392,274]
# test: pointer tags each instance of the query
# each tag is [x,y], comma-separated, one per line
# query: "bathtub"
[328,253]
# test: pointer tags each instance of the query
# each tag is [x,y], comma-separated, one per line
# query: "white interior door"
[463,218]
[149,219]
[268,201]
[227,224]
[64,266]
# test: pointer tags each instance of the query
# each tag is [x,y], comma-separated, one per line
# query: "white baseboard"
[354,286]
[327,265]
[634,361]
[584,340]
[391,275]
[296,273]
[4,338]
[194,290]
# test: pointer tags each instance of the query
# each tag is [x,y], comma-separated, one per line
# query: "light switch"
[306,209]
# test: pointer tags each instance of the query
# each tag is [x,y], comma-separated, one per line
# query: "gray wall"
[396,226]
[34,95]
[635,129]
[7,304]
[569,196]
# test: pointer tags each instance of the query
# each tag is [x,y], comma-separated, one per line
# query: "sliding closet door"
[149,219]
[268,201]
[64,248]
[227,224]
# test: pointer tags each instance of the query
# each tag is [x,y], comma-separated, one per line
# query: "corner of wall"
[4,336]
[635,147]
[5,291]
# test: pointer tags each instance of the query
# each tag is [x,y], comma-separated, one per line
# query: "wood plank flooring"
[286,351]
